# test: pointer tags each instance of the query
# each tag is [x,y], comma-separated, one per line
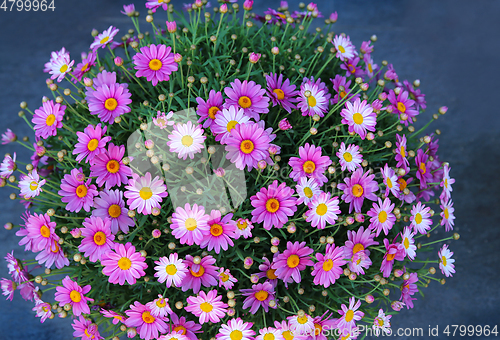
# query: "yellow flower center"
[180,328]
[402,151]
[155,64]
[357,190]
[302,320]
[418,218]
[63,68]
[99,238]
[147,317]
[161,303]
[279,94]
[308,192]
[317,329]
[50,120]
[309,167]
[341,49]
[272,205]
[382,216]
[92,144]
[327,265]
[247,146]
[370,68]
[242,225]
[216,229]
[261,295]
[230,125]
[357,248]
[110,104]
[391,257]
[311,101]
[171,269]
[406,243]
[446,213]
[351,68]
[85,67]
[343,94]
[288,335]
[270,273]
[34,185]
[81,191]
[236,335]
[199,273]
[213,111]
[446,182]
[113,166]
[358,118]
[190,224]
[145,193]
[389,183]
[104,40]
[56,248]
[402,184]
[293,261]
[321,209]
[443,259]
[244,102]
[224,277]
[423,169]
[45,309]
[187,140]
[206,307]
[75,296]
[269,336]
[347,156]
[124,263]
[349,315]
[114,210]
[401,107]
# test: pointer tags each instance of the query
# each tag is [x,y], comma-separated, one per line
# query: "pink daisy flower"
[48,118]
[301,325]
[236,329]
[123,264]
[226,121]
[159,306]
[409,243]
[172,270]
[203,273]
[208,110]
[43,310]
[323,322]
[345,49]
[187,328]
[401,153]
[267,272]
[189,225]
[310,164]
[424,175]
[162,120]
[73,294]
[341,86]
[370,66]
[104,38]
[53,255]
[82,68]
[8,166]
[173,336]
[108,167]
[186,140]
[91,142]
[155,4]
[40,231]
[148,326]
[155,62]
[15,268]
[248,96]
[8,289]
[350,158]
[408,288]
[31,185]
[323,209]
[244,228]
[109,101]
[77,192]
[351,67]
[446,184]
[349,314]
[403,106]
[359,116]
[447,216]
[113,315]
[220,233]
[420,218]
[308,189]
[292,261]
[382,217]
[269,333]
[281,92]
[8,137]
[59,65]
[313,99]
[208,307]
[445,261]
[358,187]
[144,193]
[85,329]
[247,145]
[382,324]
[273,205]
[405,195]
[226,279]
[258,296]
[356,243]
[390,180]
[395,251]
[97,238]
[109,205]
[328,268]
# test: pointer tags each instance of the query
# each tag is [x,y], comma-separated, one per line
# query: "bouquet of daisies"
[227,175]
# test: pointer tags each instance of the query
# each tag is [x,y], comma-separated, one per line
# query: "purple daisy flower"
[82,68]
[273,205]
[73,294]
[91,142]
[328,268]
[395,251]
[203,273]
[359,116]
[248,96]
[351,67]
[109,168]
[8,166]
[402,106]
[281,92]
[8,137]
[408,288]
[97,238]
[310,164]
[110,205]
[48,118]
[292,261]
[358,187]
[207,110]
[77,192]
[154,5]
[109,102]
[390,180]
[416,95]
[258,296]
[155,62]
[222,231]
[104,38]
[382,217]
[247,145]
[341,86]
[423,174]
[401,153]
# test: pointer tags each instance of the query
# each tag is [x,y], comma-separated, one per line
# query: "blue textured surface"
[451,46]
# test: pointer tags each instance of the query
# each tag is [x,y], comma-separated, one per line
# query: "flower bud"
[333,17]
[223,9]
[254,57]
[177,58]
[171,26]
[247,5]
[118,61]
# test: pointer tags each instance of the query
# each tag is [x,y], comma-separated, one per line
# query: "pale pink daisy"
[104,38]
[390,180]
[301,325]
[8,289]
[269,333]
[48,118]
[59,65]
[308,189]
[162,120]
[144,193]
[357,243]
[382,218]
[115,316]
[155,4]
[31,185]
[382,324]
[73,294]
[171,270]
[91,142]
[401,153]
[173,336]
[189,225]
[159,306]
[186,140]
[204,273]
[345,48]
[221,232]
[226,279]
[243,228]
[111,206]
[226,121]
[313,99]
[292,261]
[155,62]
[43,310]
[446,184]
[447,216]
[147,326]
[8,137]
[359,116]
[323,209]
[349,157]
[349,314]
[208,307]
[123,264]
[8,166]
[97,238]
[445,261]
[420,218]
[236,329]
[409,243]
[249,96]
[187,328]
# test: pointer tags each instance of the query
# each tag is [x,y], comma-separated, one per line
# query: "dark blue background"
[451,46]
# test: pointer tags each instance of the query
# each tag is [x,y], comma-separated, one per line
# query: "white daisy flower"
[308,189]
[301,325]
[159,307]
[323,209]
[445,261]
[31,185]
[350,157]
[244,228]
[409,243]
[269,333]
[390,181]
[171,269]
[382,324]
[345,49]
[186,140]
[104,38]
[226,120]
[59,67]
[419,218]
[236,329]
